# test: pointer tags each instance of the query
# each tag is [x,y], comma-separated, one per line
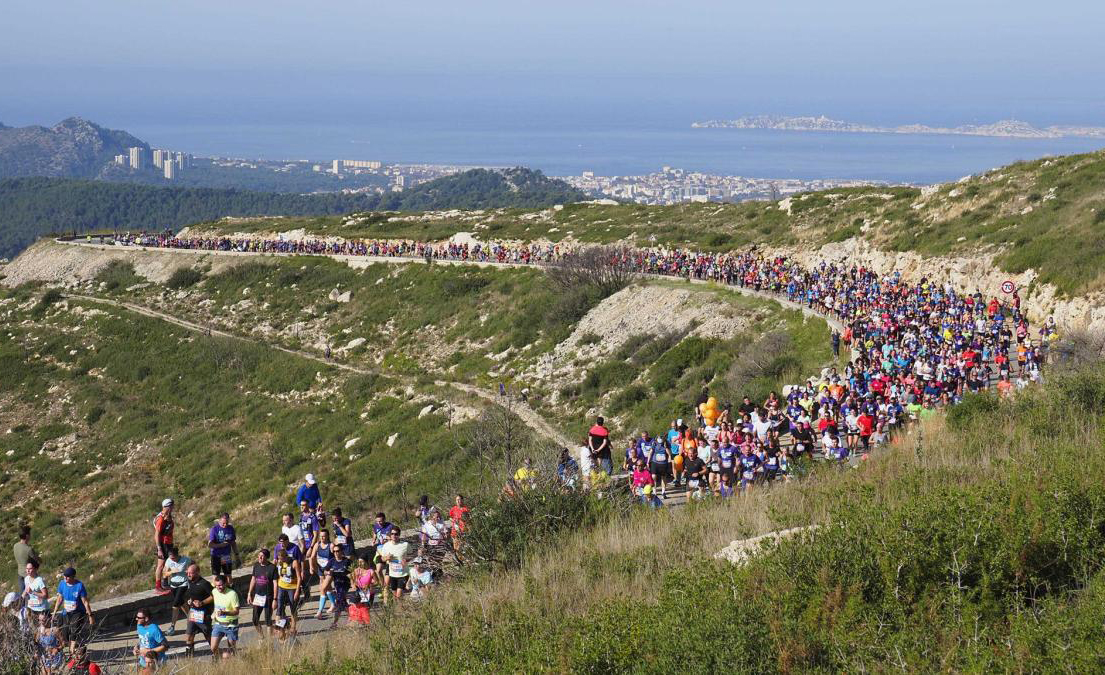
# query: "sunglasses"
[140,618]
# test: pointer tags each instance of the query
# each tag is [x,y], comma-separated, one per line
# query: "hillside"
[72,148]
[33,207]
[90,387]
[483,188]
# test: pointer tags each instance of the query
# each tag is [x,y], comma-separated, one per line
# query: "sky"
[645,62]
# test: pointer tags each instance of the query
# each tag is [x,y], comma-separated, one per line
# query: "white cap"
[310,479]
[679,422]
[166,502]
[10,599]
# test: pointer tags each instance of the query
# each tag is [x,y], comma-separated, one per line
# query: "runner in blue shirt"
[72,602]
[153,647]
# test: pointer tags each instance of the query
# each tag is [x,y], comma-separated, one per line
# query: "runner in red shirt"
[458,513]
[162,541]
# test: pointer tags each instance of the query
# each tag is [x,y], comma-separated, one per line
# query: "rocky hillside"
[74,148]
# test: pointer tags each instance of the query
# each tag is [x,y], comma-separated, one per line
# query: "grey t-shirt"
[23,554]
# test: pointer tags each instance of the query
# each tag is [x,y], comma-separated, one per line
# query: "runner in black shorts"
[262,590]
[199,602]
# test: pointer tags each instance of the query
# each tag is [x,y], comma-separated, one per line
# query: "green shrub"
[183,277]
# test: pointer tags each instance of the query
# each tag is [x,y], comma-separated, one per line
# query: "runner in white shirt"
[291,528]
[395,554]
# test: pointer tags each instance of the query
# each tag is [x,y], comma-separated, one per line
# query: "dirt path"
[522,410]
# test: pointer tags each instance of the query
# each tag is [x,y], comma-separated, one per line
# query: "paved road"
[112,649]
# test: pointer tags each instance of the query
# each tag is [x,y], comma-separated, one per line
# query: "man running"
[226,617]
[153,646]
[395,553]
[262,591]
[223,541]
[162,540]
[176,578]
[309,492]
[199,601]
[598,442]
[72,600]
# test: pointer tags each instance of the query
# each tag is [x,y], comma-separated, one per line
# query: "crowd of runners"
[317,553]
[904,349]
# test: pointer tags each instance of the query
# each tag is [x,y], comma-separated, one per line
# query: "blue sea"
[613,151]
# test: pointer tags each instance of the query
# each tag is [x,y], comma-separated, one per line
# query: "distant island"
[1001,128]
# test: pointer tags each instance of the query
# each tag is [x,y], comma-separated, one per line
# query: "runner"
[437,534]
[162,540]
[343,532]
[309,525]
[323,555]
[81,663]
[287,594]
[200,603]
[395,554]
[309,492]
[226,617]
[35,593]
[51,646]
[598,441]
[72,600]
[262,592]
[223,542]
[153,646]
[176,578]
[364,587]
[695,470]
[338,577]
[458,514]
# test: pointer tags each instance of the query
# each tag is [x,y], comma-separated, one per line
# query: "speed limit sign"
[1007,287]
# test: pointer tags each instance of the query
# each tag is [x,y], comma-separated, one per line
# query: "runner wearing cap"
[308,492]
[162,540]
[72,601]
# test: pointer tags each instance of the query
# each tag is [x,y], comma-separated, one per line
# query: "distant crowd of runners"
[904,350]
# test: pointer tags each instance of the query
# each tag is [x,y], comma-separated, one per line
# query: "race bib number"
[323,562]
[747,475]
[225,559]
[260,600]
[280,623]
[70,605]
[340,540]
[694,482]
[661,458]
[715,467]
[395,568]
[177,580]
[365,596]
[196,616]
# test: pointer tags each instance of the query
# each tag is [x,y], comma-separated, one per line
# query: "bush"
[48,298]
[183,277]
[506,530]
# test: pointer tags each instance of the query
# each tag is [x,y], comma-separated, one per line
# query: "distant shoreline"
[999,129]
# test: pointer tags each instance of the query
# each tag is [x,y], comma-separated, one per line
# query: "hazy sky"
[127,61]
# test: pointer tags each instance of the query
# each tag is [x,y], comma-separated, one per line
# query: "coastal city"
[669,185]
